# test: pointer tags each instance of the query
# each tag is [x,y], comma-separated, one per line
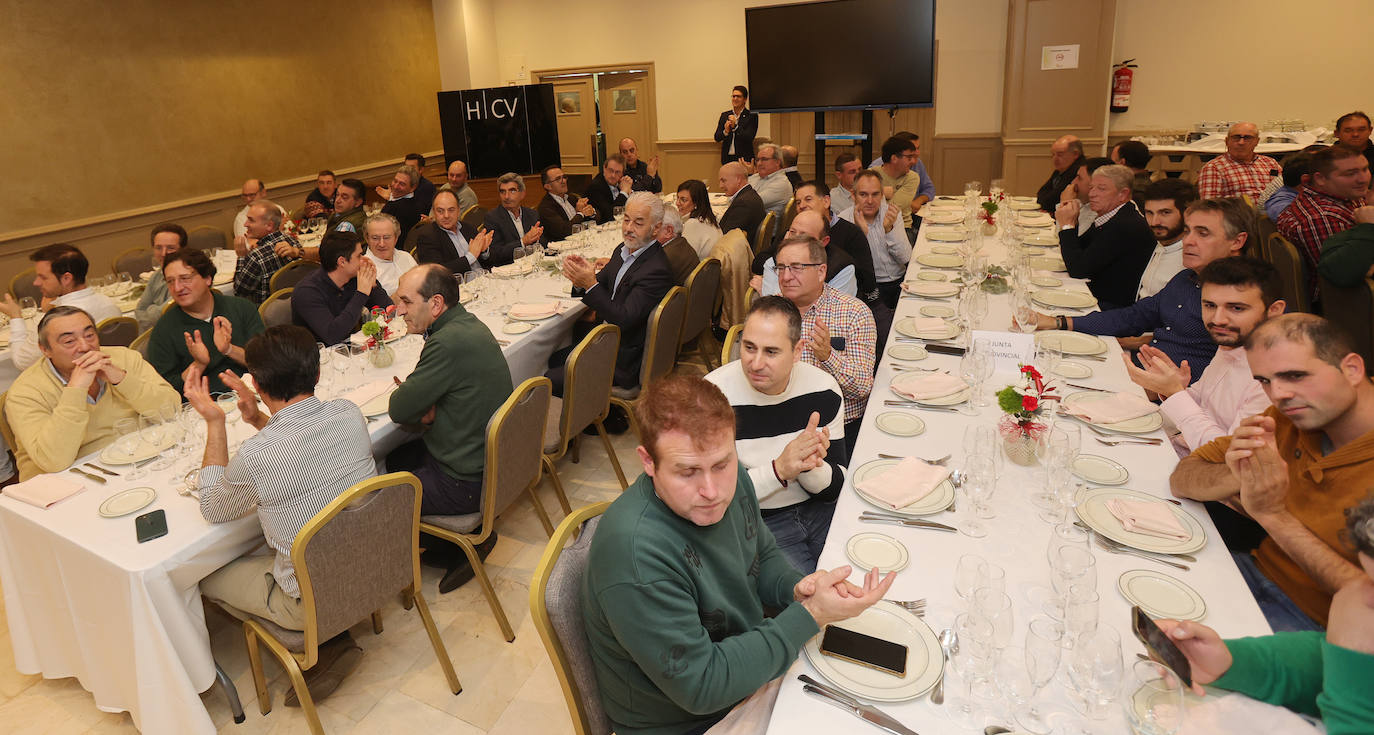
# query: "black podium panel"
[500,129]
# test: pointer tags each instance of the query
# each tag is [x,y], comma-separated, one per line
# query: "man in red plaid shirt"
[1239,171]
[1326,204]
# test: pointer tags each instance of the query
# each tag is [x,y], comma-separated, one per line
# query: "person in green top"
[1328,675]
[459,382]
[682,568]
[203,327]
[1348,256]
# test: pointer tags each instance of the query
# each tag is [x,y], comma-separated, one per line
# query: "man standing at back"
[1239,171]
[61,277]
[736,128]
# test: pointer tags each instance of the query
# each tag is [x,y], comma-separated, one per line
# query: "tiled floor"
[398,688]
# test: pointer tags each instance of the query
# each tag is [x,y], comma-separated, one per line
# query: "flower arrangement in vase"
[377,330]
[989,214]
[1021,427]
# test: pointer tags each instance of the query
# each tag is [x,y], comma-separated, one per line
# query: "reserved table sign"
[1010,350]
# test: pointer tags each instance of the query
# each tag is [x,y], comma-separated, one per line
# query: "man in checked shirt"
[838,335]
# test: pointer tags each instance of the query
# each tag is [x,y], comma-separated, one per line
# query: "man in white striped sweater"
[789,429]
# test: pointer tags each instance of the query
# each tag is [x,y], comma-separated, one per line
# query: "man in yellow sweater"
[65,406]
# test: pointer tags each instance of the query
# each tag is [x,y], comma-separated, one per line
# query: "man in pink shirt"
[1238,294]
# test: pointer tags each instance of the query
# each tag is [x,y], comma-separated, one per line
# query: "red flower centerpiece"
[377,330]
[1021,428]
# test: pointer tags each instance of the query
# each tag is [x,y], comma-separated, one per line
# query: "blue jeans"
[1282,614]
[800,532]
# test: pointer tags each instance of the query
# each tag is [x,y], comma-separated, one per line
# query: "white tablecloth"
[1017,540]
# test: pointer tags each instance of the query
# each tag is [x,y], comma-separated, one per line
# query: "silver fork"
[941,461]
[1139,554]
[1114,442]
[912,606]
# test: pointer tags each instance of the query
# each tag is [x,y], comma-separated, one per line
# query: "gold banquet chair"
[556,610]
[134,261]
[140,343]
[207,237]
[276,310]
[1284,256]
[291,274]
[703,287]
[515,444]
[351,560]
[764,236]
[729,351]
[586,401]
[117,331]
[660,349]
[21,285]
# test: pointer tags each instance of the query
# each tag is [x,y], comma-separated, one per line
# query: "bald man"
[839,267]
[1066,155]
[252,191]
[643,175]
[1239,171]
[458,184]
[746,206]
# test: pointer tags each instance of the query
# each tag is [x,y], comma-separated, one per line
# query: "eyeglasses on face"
[797,268]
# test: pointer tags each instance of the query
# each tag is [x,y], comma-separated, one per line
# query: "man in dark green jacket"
[202,326]
[1348,256]
[459,382]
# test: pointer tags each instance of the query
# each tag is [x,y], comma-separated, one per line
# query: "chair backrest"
[732,250]
[291,274]
[661,342]
[5,430]
[703,286]
[729,350]
[140,343]
[515,447]
[587,387]
[1352,309]
[22,285]
[789,211]
[276,310]
[1263,228]
[1292,272]
[207,237]
[764,236]
[473,216]
[134,261]
[117,331]
[556,610]
[354,555]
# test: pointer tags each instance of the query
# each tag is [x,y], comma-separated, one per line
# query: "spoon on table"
[949,644]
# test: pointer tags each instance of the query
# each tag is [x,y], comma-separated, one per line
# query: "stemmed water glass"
[980,482]
[1069,565]
[128,442]
[973,573]
[1043,651]
[340,359]
[28,308]
[996,607]
[228,403]
[1095,671]
[1152,699]
[973,661]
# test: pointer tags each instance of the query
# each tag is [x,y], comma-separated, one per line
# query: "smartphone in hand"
[1160,646]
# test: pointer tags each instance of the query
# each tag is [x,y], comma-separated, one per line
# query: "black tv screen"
[841,54]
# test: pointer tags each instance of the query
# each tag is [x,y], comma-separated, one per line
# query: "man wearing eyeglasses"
[253,190]
[1240,171]
[559,210]
[769,180]
[203,327]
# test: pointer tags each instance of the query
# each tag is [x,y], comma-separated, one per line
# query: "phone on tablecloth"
[151,525]
[1160,646]
[865,650]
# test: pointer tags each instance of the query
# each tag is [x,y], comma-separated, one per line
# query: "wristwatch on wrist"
[1061,323]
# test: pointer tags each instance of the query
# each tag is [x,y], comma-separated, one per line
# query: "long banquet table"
[1016,539]
[84,599]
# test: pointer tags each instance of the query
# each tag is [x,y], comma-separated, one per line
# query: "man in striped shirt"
[788,429]
[305,454]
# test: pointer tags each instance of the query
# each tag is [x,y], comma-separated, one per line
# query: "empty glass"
[973,661]
[973,573]
[980,482]
[1095,671]
[996,607]
[340,359]
[1152,698]
[28,308]
[1043,651]
[1080,613]
[127,441]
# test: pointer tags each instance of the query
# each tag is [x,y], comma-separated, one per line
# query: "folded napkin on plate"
[929,324]
[924,386]
[1114,408]
[905,483]
[44,490]
[534,311]
[367,391]
[1147,517]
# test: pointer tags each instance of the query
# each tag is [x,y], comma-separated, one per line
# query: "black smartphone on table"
[1160,646]
[865,650]
[151,525]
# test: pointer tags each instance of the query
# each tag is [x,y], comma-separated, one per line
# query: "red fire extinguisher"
[1121,85]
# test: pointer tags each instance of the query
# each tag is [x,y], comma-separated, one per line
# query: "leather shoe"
[617,422]
[337,659]
[461,572]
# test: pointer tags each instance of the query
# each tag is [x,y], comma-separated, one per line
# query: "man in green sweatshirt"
[682,568]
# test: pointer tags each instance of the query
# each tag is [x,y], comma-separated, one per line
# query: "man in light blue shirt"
[838,262]
[890,248]
[769,180]
[847,166]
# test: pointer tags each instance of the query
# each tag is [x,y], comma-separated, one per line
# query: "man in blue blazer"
[511,225]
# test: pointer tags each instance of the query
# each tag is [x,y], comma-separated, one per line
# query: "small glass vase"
[989,228]
[1020,446]
[381,355]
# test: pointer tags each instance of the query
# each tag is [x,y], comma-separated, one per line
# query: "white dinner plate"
[943,216]
[223,278]
[129,501]
[396,326]
[947,234]
[378,405]
[907,352]
[1046,281]
[1142,425]
[1092,510]
[539,317]
[907,328]
[114,454]
[1023,206]
[1073,343]
[1064,299]
[937,311]
[517,327]
[939,260]
[1100,470]
[933,289]
[943,250]
[1159,595]
[1029,217]
[953,399]
[1045,263]
[934,502]
[897,423]
[888,621]
[930,276]
[1072,370]
[1042,240]
[879,551]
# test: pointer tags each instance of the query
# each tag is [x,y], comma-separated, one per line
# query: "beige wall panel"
[1058,101]
[120,106]
[953,160]
[689,159]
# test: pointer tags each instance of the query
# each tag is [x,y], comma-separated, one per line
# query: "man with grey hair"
[380,247]
[1114,251]
[402,202]
[769,180]
[624,292]
[789,165]
[253,190]
[681,255]
[609,188]
[253,273]
[512,225]
[1065,155]
[1239,171]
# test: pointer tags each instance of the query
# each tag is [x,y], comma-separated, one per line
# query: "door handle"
[593,158]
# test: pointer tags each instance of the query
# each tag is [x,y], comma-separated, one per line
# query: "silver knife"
[100,469]
[922,406]
[913,522]
[869,713]
[88,475]
[1088,387]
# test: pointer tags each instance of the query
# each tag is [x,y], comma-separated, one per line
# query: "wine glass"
[973,661]
[339,360]
[979,483]
[127,441]
[28,308]
[519,252]
[1014,680]
[228,403]
[1095,671]
[1070,565]
[969,573]
[971,366]
[983,366]
[1043,651]
[1080,613]
[996,607]
[1152,699]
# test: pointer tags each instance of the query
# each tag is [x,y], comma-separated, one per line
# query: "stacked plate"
[946,234]
[1072,343]
[1046,263]
[907,352]
[1022,204]
[939,260]
[1092,511]
[907,328]
[1099,470]
[1059,299]
[930,289]
[877,551]
[114,453]
[1034,219]
[930,276]
[888,621]
[1076,403]
[944,216]
[1042,240]
[1161,596]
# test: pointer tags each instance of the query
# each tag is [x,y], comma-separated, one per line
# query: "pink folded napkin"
[904,483]
[44,490]
[929,324]
[1149,518]
[1113,408]
[925,386]
[534,311]
[367,391]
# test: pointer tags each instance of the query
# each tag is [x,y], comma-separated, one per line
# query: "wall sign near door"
[501,129]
